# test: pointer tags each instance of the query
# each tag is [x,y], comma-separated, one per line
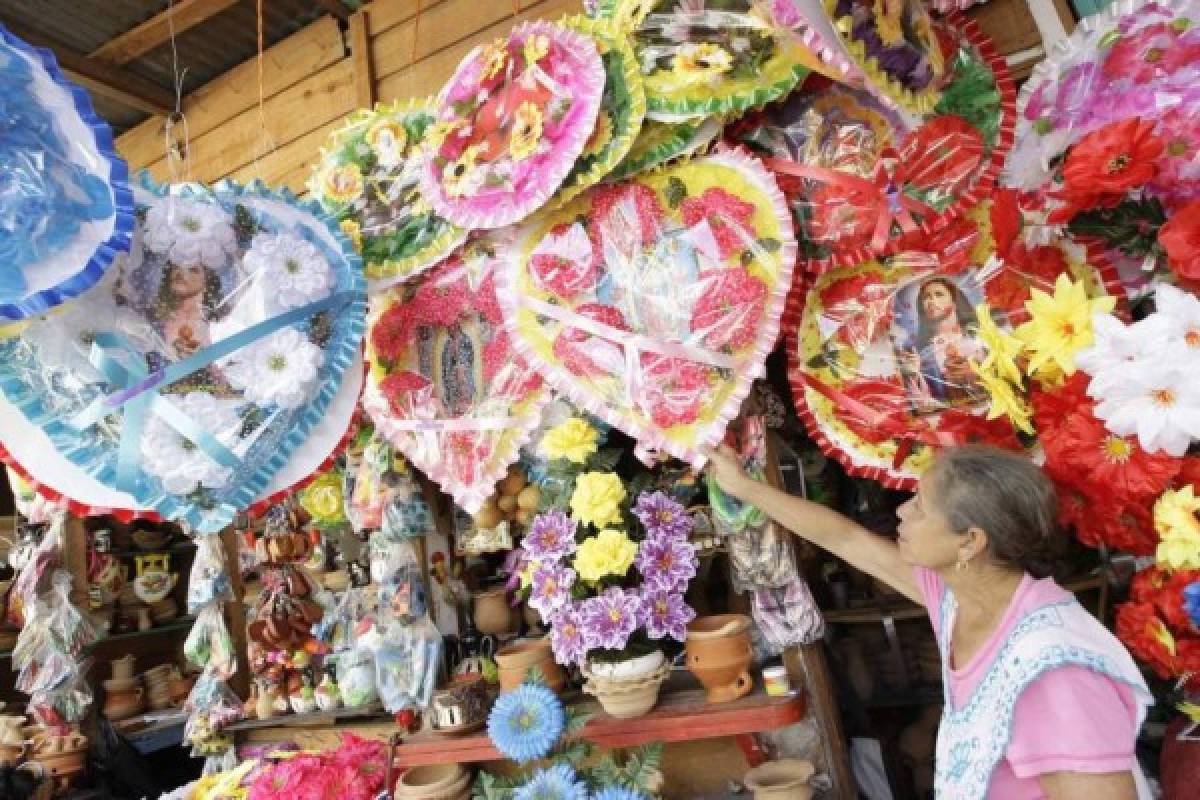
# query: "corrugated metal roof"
[204,52]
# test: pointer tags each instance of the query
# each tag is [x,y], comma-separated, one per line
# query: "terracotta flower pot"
[514,662]
[493,616]
[786,779]
[124,704]
[719,655]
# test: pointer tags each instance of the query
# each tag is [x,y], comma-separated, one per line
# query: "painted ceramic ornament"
[189,378]
[653,303]
[861,176]
[716,57]
[880,354]
[446,387]
[368,179]
[511,124]
[154,579]
[66,210]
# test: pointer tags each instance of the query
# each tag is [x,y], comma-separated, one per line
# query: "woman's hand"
[724,466]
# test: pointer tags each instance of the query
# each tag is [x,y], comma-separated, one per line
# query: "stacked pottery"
[124,695]
[786,779]
[158,686]
[434,782]
[719,655]
[515,661]
[62,757]
[627,689]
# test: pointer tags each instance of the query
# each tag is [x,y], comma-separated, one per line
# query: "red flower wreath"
[728,215]
[862,304]
[671,390]
[882,396]
[645,207]
[393,332]
[561,276]
[729,309]
[942,154]
[568,345]
[439,300]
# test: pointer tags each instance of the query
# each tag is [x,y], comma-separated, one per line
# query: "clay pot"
[719,655]
[122,668]
[179,689]
[433,782]
[63,766]
[10,730]
[12,754]
[626,698]
[123,704]
[493,616]
[786,779]
[514,661]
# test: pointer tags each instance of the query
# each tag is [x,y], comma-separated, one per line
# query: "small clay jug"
[493,614]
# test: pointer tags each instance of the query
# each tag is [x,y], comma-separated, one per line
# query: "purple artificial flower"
[667,564]
[666,614]
[514,566]
[550,537]
[551,588]
[566,636]
[662,516]
[610,618]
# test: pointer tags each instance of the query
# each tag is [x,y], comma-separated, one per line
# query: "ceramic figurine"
[329,696]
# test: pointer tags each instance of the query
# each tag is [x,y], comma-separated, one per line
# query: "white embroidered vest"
[972,740]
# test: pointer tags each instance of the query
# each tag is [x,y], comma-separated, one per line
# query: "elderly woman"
[1040,699]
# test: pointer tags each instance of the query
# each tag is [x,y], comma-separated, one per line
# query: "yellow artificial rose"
[574,440]
[597,499]
[323,499]
[700,62]
[1178,529]
[1003,349]
[526,131]
[342,184]
[462,177]
[608,553]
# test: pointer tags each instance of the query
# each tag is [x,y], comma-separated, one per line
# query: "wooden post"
[235,612]
[360,54]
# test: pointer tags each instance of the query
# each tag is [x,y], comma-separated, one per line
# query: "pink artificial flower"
[671,390]
[1153,52]
[728,215]
[729,309]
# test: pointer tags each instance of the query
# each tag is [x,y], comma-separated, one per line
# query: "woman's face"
[187,281]
[926,539]
[937,301]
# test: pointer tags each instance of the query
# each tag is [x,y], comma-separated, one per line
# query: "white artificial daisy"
[178,462]
[278,370]
[189,233]
[1117,346]
[1158,401]
[291,271]
[1179,312]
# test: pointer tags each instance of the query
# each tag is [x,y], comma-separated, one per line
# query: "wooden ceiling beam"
[182,16]
[102,79]
[335,7]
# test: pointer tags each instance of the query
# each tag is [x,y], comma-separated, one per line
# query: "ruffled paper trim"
[622,142]
[591,77]
[384,274]
[338,356]
[42,300]
[753,366]
[825,43]
[687,138]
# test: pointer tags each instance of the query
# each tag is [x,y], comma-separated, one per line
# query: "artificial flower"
[1005,402]
[610,618]
[730,218]
[592,356]
[730,306]
[1181,141]
[525,723]
[495,58]
[353,232]
[565,261]
[1106,463]
[1114,159]
[573,440]
[597,499]
[665,613]
[388,140]
[1180,238]
[667,564]
[280,369]
[1052,404]
[566,636]
[968,428]
[1178,312]
[396,388]
[618,793]
[1060,325]
[177,461]
[551,536]
[671,390]
[341,184]
[1158,401]
[662,516]
[551,588]
[189,233]
[859,308]
[1178,529]
[1128,527]
[624,208]
[443,296]
[1117,347]
[536,48]
[1143,632]
[1003,349]
[1154,51]
[1167,591]
[1191,602]
[464,176]
[942,154]
[526,131]
[291,270]
[700,62]
[393,332]
[557,782]
[610,553]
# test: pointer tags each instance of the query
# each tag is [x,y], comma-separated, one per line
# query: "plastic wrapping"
[717,57]
[860,176]
[882,355]
[787,615]
[511,123]
[654,302]
[386,496]
[209,581]
[32,506]
[660,142]
[65,206]
[209,644]
[212,706]
[446,386]
[368,179]
[356,677]
[199,366]
[406,666]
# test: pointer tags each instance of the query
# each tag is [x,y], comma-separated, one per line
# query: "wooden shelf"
[680,716]
[316,719]
[182,623]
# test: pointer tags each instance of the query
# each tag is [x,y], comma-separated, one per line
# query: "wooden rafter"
[102,79]
[335,7]
[155,31]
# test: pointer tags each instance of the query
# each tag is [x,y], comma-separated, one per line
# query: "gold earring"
[961,566]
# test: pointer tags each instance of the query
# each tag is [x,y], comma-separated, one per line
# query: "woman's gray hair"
[1005,495]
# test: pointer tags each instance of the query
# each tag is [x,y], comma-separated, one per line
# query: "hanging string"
[412,57]
[176,151]
[266,142]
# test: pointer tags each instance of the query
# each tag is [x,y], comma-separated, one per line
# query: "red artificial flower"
[1189,473]
[729,217]
[1187,661]
[1073,203]
[671,390]
[1128,528]
[1180,238]
[968,428]
[1113,159]
[504,371]
[1153,52]
[1170,601]
[1143,631]
[951,244]
[729,309]
[441,299]
[1051,406]
[397,386]
[1007,291]
[1075,511]
[1005,215]
[942,154]
[631,202]
[881,396]
[393,332]
[1104,464]
[586,355]
[486,302]
[565,274]
[841,216]
[861,305]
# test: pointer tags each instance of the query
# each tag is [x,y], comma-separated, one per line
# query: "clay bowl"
[124,704]
[433,782]
[786,779]
[61,765]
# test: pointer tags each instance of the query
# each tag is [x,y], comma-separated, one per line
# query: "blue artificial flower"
[1191,602]
[526,723]
[556,783]
[617,793]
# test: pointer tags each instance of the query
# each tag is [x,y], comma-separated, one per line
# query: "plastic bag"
[65,698]
[787,615]
[209,581]
[356,677]
[209,644]
[212,706]
[406,666]
[199,365]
